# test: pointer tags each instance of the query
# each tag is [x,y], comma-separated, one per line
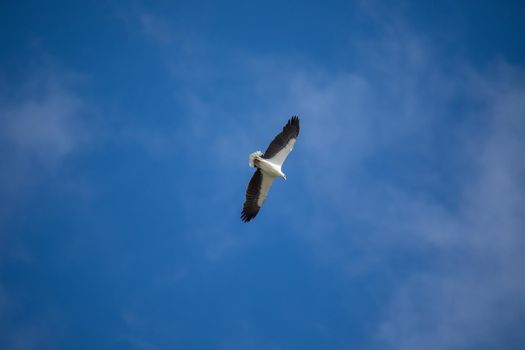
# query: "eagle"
[268,168]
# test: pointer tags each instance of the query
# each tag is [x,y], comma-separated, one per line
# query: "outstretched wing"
[256,194]
[283,143]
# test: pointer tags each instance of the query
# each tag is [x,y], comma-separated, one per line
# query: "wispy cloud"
[476,280]
[44,121]
[45,124]
[155,27]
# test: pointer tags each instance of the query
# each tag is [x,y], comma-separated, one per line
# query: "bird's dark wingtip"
[294,120]
[245,217]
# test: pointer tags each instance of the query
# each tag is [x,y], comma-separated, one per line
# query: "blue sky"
[125,130]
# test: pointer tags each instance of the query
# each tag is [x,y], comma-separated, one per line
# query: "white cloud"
[46,127]
[155,27]
[44,121]
[476,290]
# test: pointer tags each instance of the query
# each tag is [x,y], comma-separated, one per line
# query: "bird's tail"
[254,156]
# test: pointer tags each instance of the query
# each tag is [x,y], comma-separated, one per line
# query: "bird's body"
[268,167]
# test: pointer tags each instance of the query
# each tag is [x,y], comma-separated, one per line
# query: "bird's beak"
[284,177]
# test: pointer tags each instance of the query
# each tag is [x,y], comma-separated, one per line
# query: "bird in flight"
[268,168]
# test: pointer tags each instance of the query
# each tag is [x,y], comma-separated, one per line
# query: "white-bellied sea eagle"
[268,168]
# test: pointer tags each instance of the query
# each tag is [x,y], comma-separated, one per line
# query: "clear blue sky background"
[125,129]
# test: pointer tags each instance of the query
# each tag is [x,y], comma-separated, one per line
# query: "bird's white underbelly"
[269,167]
